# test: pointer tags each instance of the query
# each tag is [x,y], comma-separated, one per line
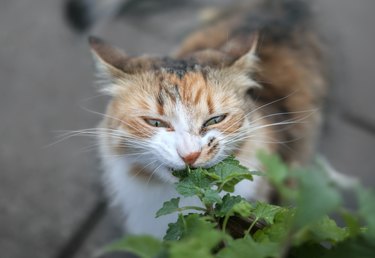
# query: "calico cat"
[251,80]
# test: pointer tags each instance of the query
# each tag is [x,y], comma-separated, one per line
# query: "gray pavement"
[49,193]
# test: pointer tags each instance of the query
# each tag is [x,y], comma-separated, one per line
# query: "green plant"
[227,226]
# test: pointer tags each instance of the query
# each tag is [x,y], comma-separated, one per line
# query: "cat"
[252,79]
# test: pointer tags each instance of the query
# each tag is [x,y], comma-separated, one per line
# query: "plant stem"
[247,233]
[192,208]
[225,222]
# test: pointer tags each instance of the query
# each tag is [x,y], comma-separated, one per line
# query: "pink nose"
[191,158]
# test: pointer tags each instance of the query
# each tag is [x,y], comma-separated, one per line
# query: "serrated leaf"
[243,208]
[228,173]
[266,211]
[227,205]
[248,248]
[193,184]
[169,207]
[190,248]
[324,230]
[142,246]
[199,245]
[188,225]
[211,197]
[195,223]
[231,181]
[175,230]
[279,230]
[180,174]
[198,240]
[187,188]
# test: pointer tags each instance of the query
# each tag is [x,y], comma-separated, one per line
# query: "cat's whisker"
[248,132]
[154,171]
[272,102]
[309,112]
[131,155]
[115,118]
[95,132]
[92,131]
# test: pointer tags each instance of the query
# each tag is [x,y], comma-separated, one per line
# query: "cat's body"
[220,94]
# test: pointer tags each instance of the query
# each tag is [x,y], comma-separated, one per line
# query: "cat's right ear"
[109,60]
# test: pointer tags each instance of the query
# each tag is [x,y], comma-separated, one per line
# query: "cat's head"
[167,113]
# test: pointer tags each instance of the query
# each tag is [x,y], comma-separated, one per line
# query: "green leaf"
[248,248]
[352,223]
[317,197]
[279,175]
[199,240]
[276,170]
[190,248]
[226,207]
[279,230]
[211,197]
[188,225]
[176,230]
[180,174]
[168,207]
[193,184]
[228,173]
[366,199]
[187,188]
[324,230]
[243,208]
[266,211]
[142,246]
[360,247]
[195,223]
[200,245]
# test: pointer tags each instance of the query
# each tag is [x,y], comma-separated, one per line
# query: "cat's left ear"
[110,64]
[109,60]
[247,62]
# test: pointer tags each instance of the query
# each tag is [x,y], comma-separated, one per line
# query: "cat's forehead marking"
[191,89]
[179,67]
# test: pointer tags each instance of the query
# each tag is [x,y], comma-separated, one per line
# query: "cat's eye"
[156,123]
[214,120]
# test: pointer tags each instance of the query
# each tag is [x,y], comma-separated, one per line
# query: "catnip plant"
[228,226]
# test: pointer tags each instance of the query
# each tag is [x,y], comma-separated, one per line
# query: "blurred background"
[51,202]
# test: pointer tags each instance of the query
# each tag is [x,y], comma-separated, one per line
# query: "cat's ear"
[109,62]
[248,61]
[244,67]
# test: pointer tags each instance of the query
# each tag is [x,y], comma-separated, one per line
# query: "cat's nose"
[191,158]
